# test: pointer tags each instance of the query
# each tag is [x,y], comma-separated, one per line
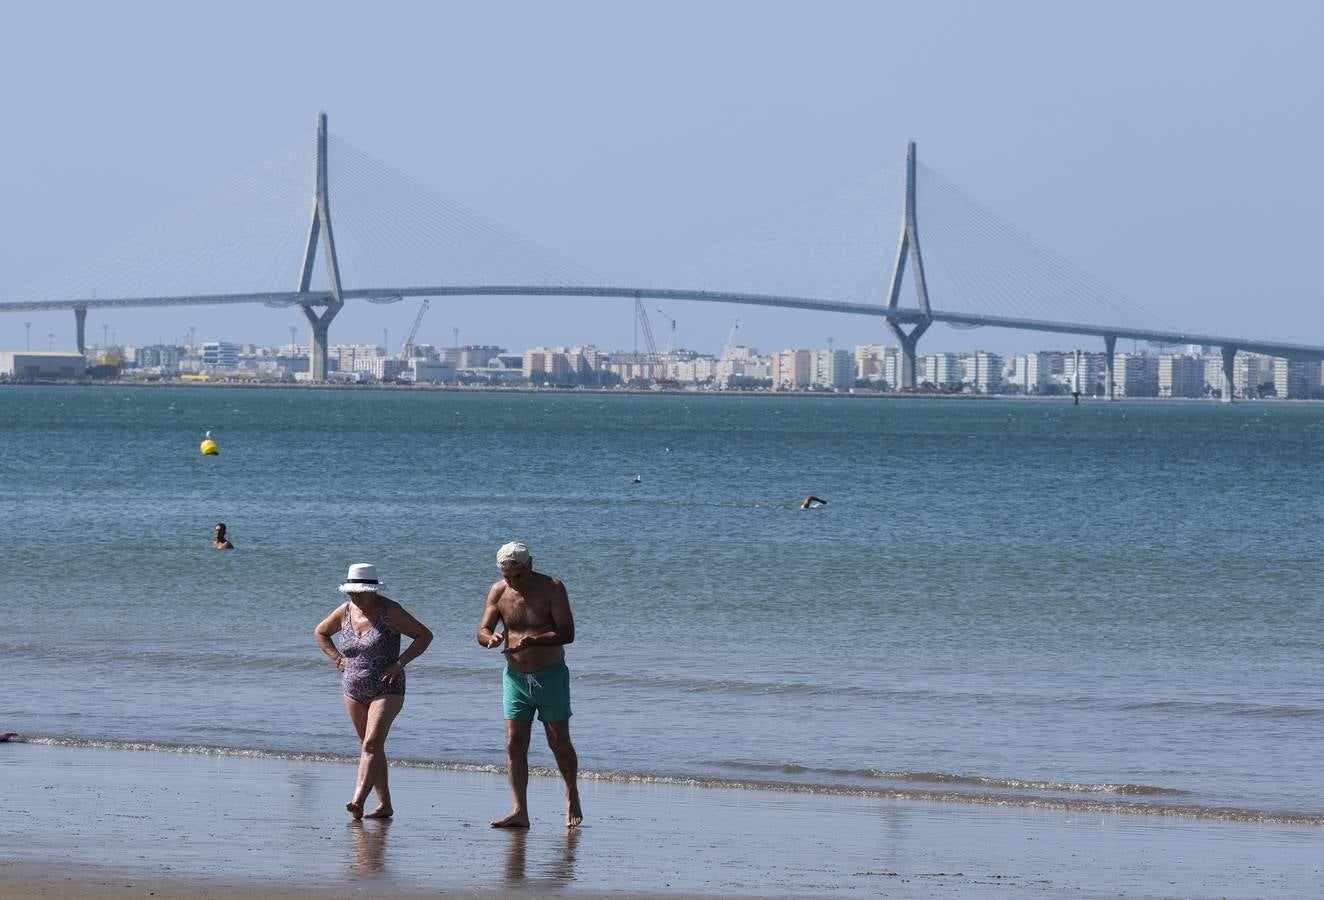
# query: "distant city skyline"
[1189,371]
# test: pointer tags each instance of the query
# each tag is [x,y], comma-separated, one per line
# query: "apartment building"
[1180,375]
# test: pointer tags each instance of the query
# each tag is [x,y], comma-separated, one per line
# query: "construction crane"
[656,363]
[407,349]
[671,335]
[730,336]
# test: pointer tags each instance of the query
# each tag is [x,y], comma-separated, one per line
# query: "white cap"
[514,552]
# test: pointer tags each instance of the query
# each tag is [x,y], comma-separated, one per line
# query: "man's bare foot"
[355,809]
[573,814]
[516,819]
[381,812]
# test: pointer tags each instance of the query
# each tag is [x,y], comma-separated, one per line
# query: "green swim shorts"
[546,692]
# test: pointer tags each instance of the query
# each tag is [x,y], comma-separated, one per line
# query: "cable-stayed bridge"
[253,240]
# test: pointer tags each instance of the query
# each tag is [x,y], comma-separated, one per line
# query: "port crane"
[656,362]
[407,349]
[671,334]
[730,337]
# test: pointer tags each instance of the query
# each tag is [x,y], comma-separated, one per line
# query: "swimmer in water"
[812,502]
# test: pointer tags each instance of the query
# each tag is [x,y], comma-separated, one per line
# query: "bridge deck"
[321,298]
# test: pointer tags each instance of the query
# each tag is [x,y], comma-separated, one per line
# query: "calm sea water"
[1103,606]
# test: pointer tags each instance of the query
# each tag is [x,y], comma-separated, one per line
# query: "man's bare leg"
[517,767]
[372,758]
[558,738]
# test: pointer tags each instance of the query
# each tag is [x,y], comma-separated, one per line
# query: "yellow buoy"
[209,447]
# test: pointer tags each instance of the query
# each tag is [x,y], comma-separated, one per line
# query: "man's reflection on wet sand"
[516,848]
[559,868]
[369,840]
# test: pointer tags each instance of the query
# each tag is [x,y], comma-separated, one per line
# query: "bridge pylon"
[320,223]
[908,246]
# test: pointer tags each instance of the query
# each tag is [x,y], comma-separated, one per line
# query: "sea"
[1107,607]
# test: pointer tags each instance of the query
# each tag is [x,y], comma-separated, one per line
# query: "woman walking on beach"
[369,626]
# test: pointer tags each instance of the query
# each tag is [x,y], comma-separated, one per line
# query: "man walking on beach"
[536,612]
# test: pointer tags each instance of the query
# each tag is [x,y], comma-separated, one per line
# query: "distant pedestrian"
[219,540]
[369,625]
[535,610]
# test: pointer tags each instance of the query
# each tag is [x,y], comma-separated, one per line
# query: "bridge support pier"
[317,352]
[906,369]
[80,328]
[1229,371]
[1109,366]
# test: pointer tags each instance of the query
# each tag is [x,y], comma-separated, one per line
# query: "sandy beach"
[114,823]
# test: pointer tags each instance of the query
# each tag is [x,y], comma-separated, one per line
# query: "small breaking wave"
[1008,792]
[1018,784]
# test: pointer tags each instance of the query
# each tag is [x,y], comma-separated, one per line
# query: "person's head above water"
[220,530]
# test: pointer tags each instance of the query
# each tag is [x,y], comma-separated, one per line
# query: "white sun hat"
[362,579]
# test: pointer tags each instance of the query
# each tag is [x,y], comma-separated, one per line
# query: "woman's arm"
[325,629]
[403,622]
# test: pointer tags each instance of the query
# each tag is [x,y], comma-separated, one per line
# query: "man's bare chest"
[519,611]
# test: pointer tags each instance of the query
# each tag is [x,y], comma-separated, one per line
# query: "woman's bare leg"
[381,712]
[358,714]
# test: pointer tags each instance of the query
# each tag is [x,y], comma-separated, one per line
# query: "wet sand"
[110,823]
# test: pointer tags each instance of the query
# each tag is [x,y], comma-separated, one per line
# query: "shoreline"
[110,823]
[1092,802]
[858,394]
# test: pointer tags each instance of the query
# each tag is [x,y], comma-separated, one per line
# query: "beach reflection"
[516,851]
[558,869]
[369,840]
[562,869]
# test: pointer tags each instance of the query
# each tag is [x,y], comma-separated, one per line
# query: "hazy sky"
[1173,149]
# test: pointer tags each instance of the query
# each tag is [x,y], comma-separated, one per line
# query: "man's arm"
[563,622]
[488,636]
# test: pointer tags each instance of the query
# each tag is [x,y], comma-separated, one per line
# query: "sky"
[1170,148]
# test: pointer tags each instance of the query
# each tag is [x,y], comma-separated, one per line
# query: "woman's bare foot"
[573,814]
[381,812]
[517,819]
[355,809]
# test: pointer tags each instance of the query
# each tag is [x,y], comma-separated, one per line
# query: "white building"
[943,370]
[1296,379]
[790,370]
[832,369]
[428,371]
[220,356]
[1136,375]
[1180,375]
[1086,380]
[983,372]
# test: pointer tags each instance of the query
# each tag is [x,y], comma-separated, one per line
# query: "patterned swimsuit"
[367,657]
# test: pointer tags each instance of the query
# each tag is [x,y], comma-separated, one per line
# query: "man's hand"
[520,644]
[496,639]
